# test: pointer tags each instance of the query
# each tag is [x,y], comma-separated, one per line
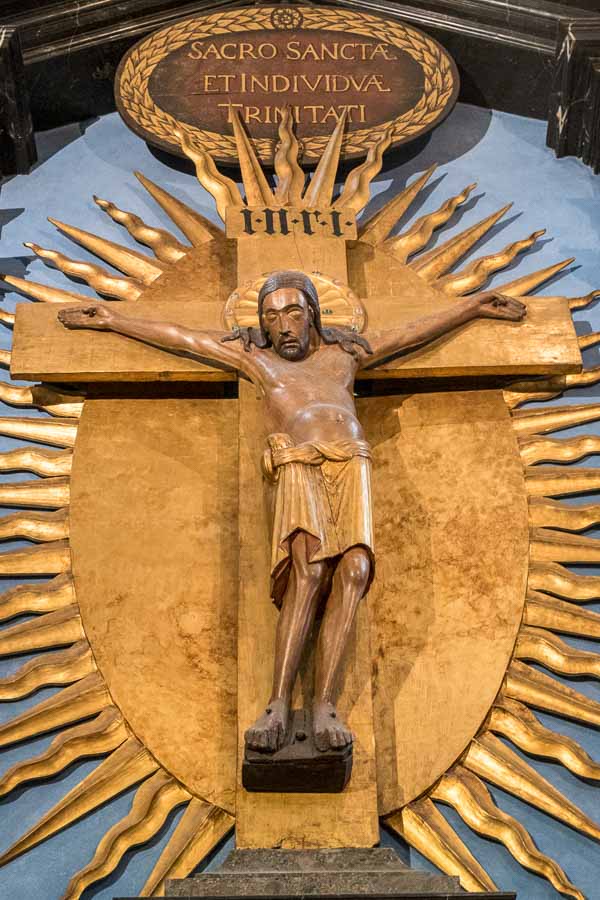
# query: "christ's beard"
[292,351]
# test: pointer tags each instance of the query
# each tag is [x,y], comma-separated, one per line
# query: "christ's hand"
[492,305]
[96,316]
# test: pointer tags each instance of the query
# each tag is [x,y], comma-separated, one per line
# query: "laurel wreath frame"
[134,76]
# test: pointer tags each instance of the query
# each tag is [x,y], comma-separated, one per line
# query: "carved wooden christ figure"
[323,554]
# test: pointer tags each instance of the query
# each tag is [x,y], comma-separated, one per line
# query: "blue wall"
[507,156]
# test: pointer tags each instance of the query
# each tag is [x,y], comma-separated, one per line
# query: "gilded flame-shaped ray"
[520,287]
[131,262]
[515,399]
[555,481]
[542,611]
[465,793]
[35,526]
[154,800]
[588,340]
[320,188]
[97,277]
[5,357]
[549,388]
[514,721]
[582,302]
[223,189]
[377,228]
[533,688]
[477,273]
[48,597]
[290,176]
[38,461]
[96,737]
[81,700]
[196,227]
[43,493]
[356,191]
[198,832]
[544,513]
[126,766]
[423,826]
[39,396]
[418,235]
[41,559]
[542,647]
[547,545]
[44,292]
[555,579]
[7,318]
[52,629]
[164,246]
[49,670]
[493,761]
[553,418]
[58,432]
[256,186]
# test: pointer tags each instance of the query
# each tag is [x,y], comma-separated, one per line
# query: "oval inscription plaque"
[321,62]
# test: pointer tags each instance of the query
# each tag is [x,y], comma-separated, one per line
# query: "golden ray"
[164,246]
[555,579]
[554,481]
[7,318]
[5,356]
[493,761]
[320,188]
[518,724]
[290,176]
[44,292]
[377,228]
[547,389]
[81,700]
[588,340]
[39,396]
[553,418]
[58,432]
[477,273]
[96,737]
[536,449]
[199,830]
[545,513]
[41,462]
[356,192]
[582,302]
[418,235]
[45,493]
[49,670]
[196,227]
[52,629]
[514,399]
[256,186]
[528,283]
[131,262]
[37,598]
[527,685]
[466,794]
[547,545]
[126,766]
[40,526]
[97,277]
[223,189]
[42,559]
[548,650]
[154,800]
[423,826]
[542,611]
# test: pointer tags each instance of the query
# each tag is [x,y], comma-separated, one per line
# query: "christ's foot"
[330,732]
[268,732]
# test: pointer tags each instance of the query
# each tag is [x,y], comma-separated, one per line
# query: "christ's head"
[288,308]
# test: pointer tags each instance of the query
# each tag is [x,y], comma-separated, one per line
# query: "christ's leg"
[349,585]
[293,628]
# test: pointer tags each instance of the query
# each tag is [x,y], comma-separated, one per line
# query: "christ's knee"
[355,570]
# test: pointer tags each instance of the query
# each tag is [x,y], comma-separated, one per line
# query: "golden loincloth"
[324,489]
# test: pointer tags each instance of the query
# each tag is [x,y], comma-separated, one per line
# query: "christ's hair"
[346,338]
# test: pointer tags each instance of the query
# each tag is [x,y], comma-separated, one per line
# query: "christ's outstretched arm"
[489,305]
[204,346]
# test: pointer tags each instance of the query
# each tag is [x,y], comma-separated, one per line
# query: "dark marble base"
[298,768]
[352,873]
